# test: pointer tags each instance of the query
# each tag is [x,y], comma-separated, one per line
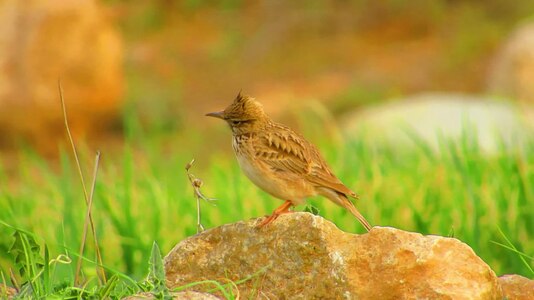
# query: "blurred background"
[395,94]
[171,61]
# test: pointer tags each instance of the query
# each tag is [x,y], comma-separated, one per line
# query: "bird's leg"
[282,209]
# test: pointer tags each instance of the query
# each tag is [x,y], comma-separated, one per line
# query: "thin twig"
[196,183]
[87,198]
[80,173]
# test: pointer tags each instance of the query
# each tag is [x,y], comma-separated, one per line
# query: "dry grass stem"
[88,199]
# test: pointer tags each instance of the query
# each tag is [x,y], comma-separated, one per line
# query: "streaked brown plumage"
[281,161]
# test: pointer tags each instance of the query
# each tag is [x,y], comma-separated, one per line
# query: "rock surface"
[307,257]
[517,287]
[42,41]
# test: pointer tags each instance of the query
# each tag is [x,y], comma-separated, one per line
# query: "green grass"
[143,195]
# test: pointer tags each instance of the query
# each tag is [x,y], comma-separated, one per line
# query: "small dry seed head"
[197,183]
[189,164]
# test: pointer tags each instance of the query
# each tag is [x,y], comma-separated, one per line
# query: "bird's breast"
[277,183]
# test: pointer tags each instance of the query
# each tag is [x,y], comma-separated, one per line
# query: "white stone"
[437,117]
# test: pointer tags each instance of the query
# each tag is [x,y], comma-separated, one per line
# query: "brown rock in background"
[42,41]
[513,68]
[306,257]
[517,287]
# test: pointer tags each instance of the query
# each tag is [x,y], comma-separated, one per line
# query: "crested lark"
[280,161]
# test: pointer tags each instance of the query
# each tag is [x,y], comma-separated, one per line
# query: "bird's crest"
[245,108]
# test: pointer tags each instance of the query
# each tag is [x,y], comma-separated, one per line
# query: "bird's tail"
[346,203]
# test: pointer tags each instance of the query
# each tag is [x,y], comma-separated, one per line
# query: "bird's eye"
[236,123]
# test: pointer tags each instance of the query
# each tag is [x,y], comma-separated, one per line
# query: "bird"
[280,161]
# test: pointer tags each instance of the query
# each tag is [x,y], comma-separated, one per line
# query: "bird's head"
[244,115]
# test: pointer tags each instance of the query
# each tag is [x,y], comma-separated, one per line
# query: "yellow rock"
[307,257]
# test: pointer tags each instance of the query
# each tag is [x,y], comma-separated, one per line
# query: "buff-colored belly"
[282,185]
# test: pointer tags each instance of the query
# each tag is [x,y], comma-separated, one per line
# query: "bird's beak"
[217,114]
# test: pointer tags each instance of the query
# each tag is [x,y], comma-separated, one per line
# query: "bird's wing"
[284,150]
[323,176]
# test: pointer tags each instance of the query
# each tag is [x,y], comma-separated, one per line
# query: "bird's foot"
[282,209]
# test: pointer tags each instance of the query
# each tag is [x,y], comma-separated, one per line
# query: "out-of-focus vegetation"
[186,58]
[183,57]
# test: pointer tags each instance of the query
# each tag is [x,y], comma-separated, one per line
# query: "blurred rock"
[42,41]
[434,118]
[517,287]
[306,257]
[513,69]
